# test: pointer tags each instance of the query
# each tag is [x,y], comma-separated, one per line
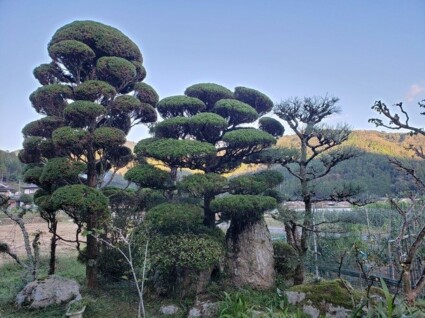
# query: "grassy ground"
[111,300]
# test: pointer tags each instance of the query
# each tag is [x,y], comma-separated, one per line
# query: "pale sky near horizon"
[357,50]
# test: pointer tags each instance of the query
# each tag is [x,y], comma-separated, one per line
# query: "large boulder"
[49,291]
[249,259]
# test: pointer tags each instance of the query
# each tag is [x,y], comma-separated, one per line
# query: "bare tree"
[126,239]
[319,154]
[32,249]
[410,231]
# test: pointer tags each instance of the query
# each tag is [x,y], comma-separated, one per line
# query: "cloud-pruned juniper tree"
[319,154]
[205,130]
[91,95]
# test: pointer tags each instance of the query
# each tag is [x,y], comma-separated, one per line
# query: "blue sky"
[358,50]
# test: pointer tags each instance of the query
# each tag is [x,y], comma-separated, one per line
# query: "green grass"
[109,301]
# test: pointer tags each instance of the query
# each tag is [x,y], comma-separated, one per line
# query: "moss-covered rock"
[325,295]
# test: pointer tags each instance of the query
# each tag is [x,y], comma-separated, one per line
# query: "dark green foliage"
[31,152]
[80,201]
[146,94]
[146,114]
[179,245]
[246,184]
[43,200]
[255,183]
[33,174]
[71,139]
[174,218]
[141,147]
[178,153]
[95,90]
[61,171]
[209,93]
[116,71]
[235,112]
[74,55]
[272,126]
[48,149]
[49,73]
[174,127]
[103,39]
[140,75]
[270,178]
[119,156]
[108,137]
[83,113]
[242,208]
[126,206]
[147,176]
[42,127]
[185,251]
[50,100]
[125,104]
[150,198]
[248,138]
[179,106]
[207,127]
[199,185]
[35,148]
[260,102]
[285,259]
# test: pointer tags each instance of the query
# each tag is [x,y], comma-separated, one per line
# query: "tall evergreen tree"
[91,95]
[319,154]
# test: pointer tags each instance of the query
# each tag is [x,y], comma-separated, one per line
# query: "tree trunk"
[53,240]
[308,216]
[92,246]
[91,257]
[209,216]
[299,273]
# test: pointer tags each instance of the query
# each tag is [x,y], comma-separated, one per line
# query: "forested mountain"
[372,170]
[10,167]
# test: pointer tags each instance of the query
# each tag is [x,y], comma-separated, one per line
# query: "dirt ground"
[11,234]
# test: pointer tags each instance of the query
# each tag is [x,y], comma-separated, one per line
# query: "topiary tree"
[205,130]
[202,130]
[91,95]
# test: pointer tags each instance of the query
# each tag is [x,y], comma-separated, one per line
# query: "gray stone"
[249,258]
[311,310]
[169,310]
[194,313]
[295,297]
[205,309]
[49,291]
[337,312]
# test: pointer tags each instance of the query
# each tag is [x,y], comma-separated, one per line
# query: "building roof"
[29,186]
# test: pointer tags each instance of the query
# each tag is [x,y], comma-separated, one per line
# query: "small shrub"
[285,259]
